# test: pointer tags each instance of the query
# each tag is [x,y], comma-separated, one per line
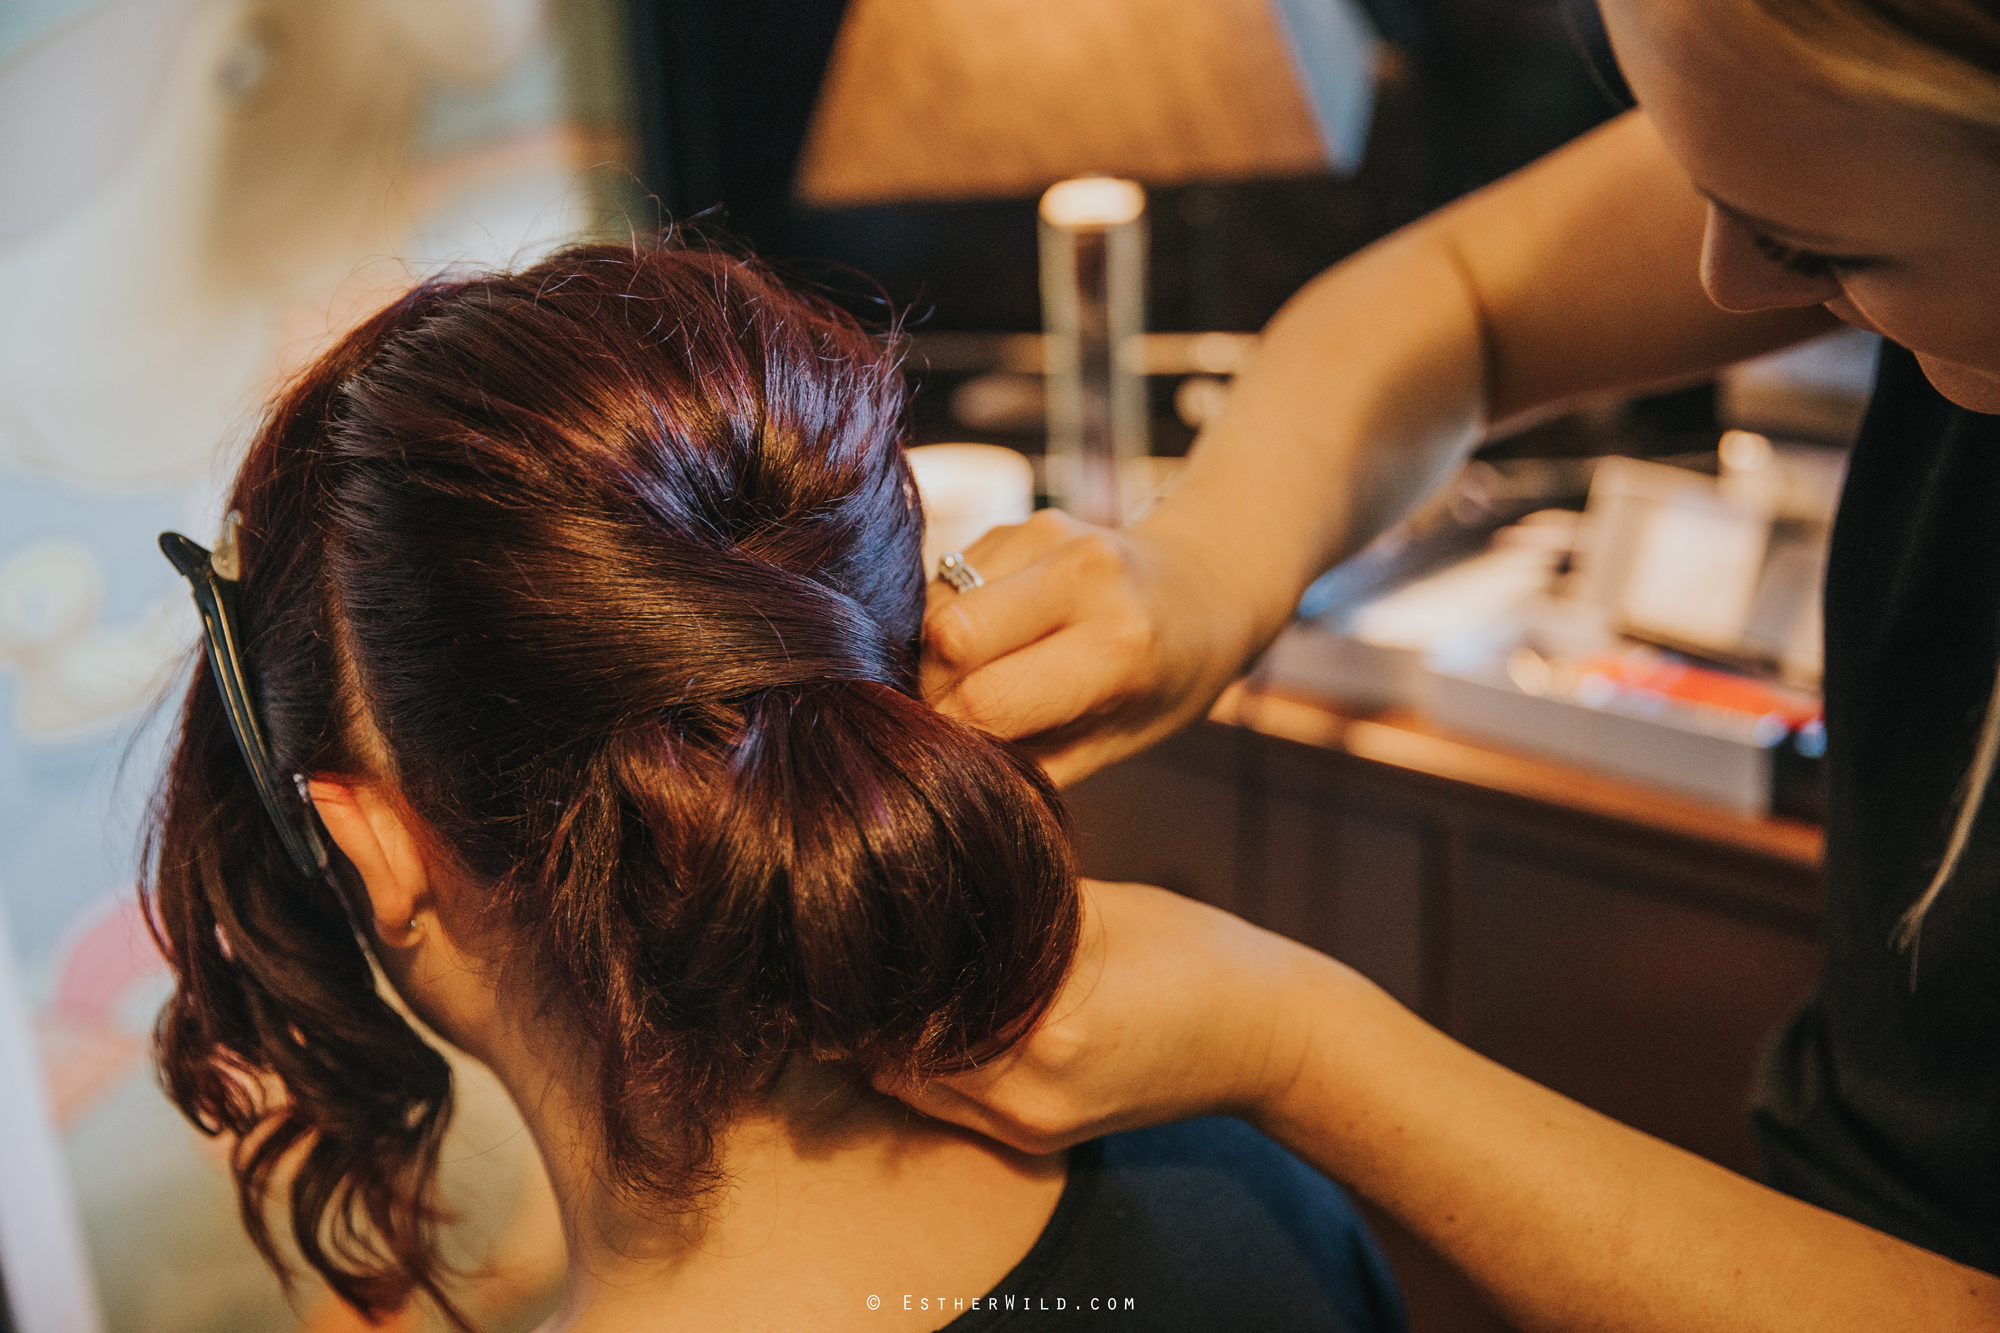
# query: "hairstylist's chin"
[1970,387]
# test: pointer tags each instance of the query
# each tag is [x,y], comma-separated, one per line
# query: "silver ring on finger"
[953,569]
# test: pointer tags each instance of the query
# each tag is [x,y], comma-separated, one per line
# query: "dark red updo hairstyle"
[618,557]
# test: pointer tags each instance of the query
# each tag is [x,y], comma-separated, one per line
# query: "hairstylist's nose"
[1739,276]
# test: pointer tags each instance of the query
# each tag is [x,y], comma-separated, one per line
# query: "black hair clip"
[213,578]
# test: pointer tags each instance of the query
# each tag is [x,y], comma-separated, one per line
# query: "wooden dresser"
[1631,949]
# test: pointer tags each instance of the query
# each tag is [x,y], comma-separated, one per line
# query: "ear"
[369,828]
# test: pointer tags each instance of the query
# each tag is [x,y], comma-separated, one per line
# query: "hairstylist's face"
[1885,216]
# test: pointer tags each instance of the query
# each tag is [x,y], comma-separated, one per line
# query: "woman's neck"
[832,1194]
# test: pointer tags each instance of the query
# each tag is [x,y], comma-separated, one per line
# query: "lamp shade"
[963,99]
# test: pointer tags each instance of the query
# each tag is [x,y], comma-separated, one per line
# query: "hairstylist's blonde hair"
[1941,57]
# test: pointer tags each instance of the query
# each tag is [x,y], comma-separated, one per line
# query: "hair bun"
[872,881]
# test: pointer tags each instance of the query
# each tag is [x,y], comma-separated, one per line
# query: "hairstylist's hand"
[1172,1009]
[1085,644]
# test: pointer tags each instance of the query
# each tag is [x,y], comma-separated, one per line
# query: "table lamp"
[1085,102]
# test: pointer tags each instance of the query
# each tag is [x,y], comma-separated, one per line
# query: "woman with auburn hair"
[579,607]
[1793,165]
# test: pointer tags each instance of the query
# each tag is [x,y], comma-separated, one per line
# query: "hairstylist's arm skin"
[1576,275]
[1568,1219]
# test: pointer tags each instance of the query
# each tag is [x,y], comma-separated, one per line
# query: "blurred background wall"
[195,195]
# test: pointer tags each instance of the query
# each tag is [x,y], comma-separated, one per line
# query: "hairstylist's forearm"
[1576,275]
[1367,391]
[1568,1219]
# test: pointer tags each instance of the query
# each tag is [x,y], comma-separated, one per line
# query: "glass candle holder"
[1093,260]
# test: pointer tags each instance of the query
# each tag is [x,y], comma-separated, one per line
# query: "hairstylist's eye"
[1807,263]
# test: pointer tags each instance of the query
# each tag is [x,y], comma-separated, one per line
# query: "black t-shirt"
[1881,1101]
[1205,1226]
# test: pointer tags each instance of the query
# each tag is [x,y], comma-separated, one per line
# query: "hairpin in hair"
[212,576]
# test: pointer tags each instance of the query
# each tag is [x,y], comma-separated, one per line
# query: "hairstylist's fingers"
[1171,1009]
[1099,645]
[999,555]
[1015,546]
[1024,1122]
[1085,581]
[946,1099]
[1030,1096]
[1008,549]
[1007,616]
[1070,678]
